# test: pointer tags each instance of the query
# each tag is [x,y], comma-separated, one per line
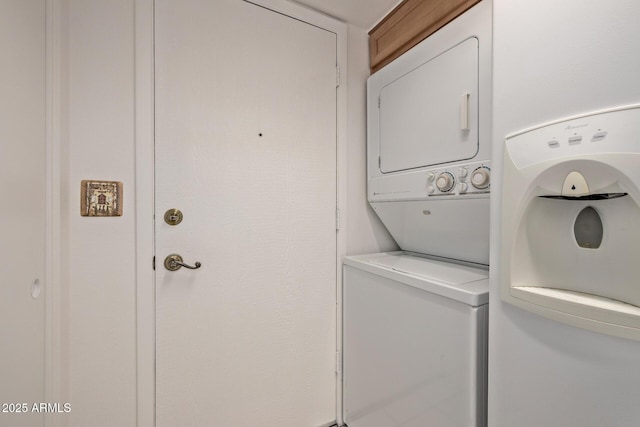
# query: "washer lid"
[462,283]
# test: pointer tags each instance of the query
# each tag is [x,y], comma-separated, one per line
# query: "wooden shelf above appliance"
[408,24]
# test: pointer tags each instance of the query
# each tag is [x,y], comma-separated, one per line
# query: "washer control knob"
[445,181]
[431,176]
[481,177]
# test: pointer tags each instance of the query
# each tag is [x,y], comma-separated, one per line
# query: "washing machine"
[415,344]
[415,321]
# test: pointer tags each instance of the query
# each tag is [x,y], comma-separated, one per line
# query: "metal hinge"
[338,76]
[338,363]
[337,219]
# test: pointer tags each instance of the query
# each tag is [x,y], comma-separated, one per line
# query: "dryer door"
[429,116]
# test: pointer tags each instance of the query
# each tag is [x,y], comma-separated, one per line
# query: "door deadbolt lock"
[173,216]
[174,262]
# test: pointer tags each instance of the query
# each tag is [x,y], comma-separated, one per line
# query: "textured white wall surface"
[22,217]
[98,260]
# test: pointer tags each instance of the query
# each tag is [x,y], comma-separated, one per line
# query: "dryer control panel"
[447,182]
[460,180]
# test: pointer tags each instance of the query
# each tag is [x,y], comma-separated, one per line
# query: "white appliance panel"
[445,273]
[429,116]
[573,257]
[413,358]
[548,373]
[457,229]
[582,57]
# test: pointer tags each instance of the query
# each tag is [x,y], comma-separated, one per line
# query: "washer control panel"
[459,180]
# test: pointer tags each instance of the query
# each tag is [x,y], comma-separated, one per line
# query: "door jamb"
[144,188]
[55,355]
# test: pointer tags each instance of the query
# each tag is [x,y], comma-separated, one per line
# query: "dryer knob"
[481,177]
[445,182]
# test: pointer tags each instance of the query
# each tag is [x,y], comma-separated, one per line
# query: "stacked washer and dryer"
[415,321]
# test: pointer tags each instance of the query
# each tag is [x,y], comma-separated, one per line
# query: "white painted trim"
[144,188]
[342,95]
[55,363]
[51,180]
[304,14]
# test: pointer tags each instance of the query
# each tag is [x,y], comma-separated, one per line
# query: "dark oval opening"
[588,229]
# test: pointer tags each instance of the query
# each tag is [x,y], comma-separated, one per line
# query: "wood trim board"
[408,24]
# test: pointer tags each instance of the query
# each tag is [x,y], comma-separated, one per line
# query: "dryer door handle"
[464,111]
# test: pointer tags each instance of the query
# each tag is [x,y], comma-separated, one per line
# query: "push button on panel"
[575,185]
[599,136]
[553,144]
[576,139]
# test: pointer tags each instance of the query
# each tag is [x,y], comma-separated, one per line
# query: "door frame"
[54,348]
[145,189]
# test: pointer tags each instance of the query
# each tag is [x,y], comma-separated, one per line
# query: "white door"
[246,150]
[22,225]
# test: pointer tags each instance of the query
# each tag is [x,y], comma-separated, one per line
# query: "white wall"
[22,196]
[365,232]
[98,286]
[97,141]
[555,59]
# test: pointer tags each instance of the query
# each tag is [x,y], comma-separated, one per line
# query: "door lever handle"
[175,262]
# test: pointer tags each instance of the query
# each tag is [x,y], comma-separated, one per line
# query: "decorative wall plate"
[101,198]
